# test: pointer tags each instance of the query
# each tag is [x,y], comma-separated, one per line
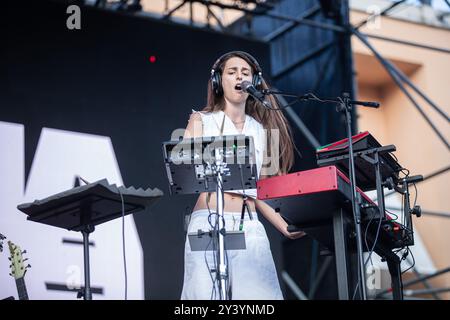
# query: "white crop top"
[211,124]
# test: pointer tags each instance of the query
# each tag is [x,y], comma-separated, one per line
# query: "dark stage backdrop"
[99,80]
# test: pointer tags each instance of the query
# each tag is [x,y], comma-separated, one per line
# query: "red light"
[152,59]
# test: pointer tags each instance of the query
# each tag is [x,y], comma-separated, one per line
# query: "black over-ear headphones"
[216,78]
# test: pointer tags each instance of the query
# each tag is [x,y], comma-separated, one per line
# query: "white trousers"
[252,273]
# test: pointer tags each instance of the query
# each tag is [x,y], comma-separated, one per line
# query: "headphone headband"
[231,53]
[216,79]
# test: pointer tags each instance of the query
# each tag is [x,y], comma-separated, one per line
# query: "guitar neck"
[21,289]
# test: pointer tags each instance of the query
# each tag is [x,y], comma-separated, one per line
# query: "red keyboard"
[308,199]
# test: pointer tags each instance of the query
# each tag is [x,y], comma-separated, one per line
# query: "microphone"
[248,87]
[366,103]
[371,104]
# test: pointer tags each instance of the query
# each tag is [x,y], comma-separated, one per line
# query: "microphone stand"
[344,105]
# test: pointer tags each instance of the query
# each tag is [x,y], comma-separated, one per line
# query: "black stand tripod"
[374,157]
[224,163]
[86,294]
[344,105]
[82,208]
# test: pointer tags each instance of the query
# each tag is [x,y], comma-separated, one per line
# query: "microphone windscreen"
[245,85]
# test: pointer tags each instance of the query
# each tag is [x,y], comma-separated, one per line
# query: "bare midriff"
[232,202]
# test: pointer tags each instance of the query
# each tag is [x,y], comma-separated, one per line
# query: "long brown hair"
[269,119]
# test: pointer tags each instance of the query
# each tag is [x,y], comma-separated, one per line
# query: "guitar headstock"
[18,268]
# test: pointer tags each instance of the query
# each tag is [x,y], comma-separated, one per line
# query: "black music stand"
[189,161]
[207,164]
[84,207]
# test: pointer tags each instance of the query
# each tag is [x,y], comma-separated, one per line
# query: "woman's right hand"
[275,218]
[295,235]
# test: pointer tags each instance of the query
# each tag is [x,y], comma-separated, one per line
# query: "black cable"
[227,280]
[214,290]
[285,106]
[403,209]
[413,262]
[242,179]
[355,290]
[222,191]
[395,157]
[354,201]
[402,170]
[244,202]
[367,246]
[365,238]
[223,204]
[123,246]
[214,236]
[406,174]
[394,214]
[214,281]
[369,258]
[210,213]
[415,196]
[207,266]
[376,237]
[307,96]
[215,264]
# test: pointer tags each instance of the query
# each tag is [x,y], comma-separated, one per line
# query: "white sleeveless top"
[211,124]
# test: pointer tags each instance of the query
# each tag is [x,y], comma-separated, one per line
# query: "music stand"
[188,163]
[205,164]
[84,207]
